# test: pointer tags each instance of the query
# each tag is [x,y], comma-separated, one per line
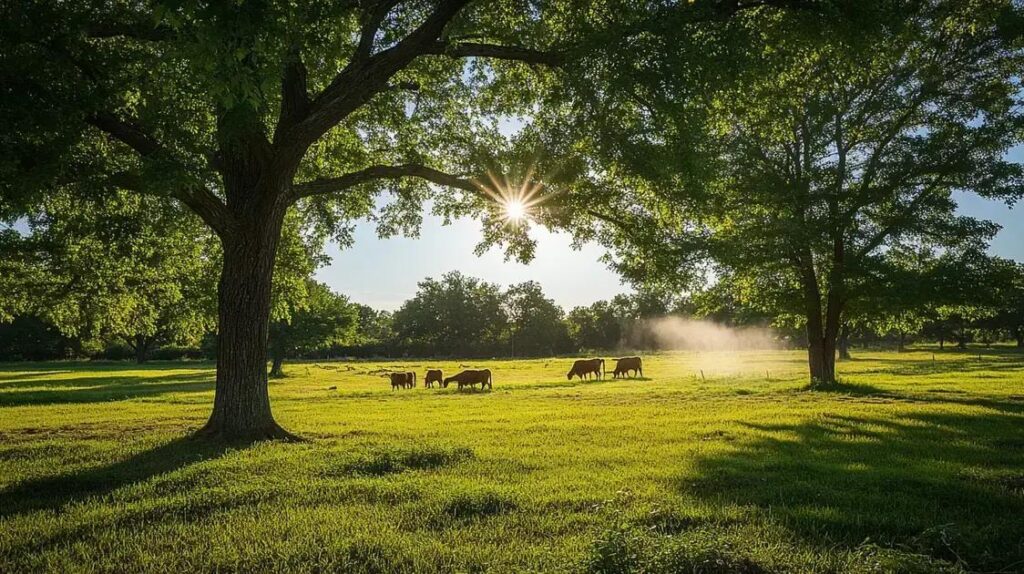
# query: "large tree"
[242,110]
[536,323]
[826,150]
[1009,295]
[455,316]
[125,268]
[320,319]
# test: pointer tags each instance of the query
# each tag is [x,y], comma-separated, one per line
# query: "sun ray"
[515,197]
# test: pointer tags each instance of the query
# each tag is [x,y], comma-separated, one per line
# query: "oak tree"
[242,111]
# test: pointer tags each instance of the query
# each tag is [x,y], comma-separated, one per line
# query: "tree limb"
[324,186]
[897,221]
[478,50]
[371,24]
[294,92]
[196,197]
[362,79]
[137,30]
[126,131]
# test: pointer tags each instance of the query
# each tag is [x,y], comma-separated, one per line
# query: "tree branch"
[125,131]
[196,197]
[294,91]
[478,50]
[142,29]
[324,186]
[897,221]
[361,80]
[373,18]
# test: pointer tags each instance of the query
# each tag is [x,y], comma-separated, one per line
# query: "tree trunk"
[1018,334]
[141,351]
[902,344]
[276,370]
[822,327]
[821,357]
[844,343]
[821,342]
[241,406]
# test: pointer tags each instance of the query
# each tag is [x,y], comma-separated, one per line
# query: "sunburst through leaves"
[517,201]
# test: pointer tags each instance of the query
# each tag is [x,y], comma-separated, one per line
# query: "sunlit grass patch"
[913,464]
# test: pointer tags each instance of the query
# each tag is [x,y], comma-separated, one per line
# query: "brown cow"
[433,376]
[410,379]
[586,367]
[626,364]
[398,380]
[471,378]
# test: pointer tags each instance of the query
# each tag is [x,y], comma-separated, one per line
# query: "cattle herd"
[582,368]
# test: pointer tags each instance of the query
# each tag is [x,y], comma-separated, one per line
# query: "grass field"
[915,465]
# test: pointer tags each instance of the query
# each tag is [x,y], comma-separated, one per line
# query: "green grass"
[914,464]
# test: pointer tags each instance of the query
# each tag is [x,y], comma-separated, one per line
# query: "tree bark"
[844,343]
[241,407]
[961,339]
[276,370]
[821,358]
[140,346]
[141,352]
[823,322]
[821,341]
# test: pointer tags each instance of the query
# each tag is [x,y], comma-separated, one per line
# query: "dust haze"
[678,334]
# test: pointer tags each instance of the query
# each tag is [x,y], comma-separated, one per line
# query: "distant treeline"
[460,316]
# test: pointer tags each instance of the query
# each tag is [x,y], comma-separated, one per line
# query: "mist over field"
[681,334]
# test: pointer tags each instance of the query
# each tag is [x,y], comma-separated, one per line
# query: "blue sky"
[383,273]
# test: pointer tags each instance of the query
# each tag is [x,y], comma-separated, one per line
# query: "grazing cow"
[586,367]
[626,364]
[399,380]
[471,378]
[410,379]
[433,376]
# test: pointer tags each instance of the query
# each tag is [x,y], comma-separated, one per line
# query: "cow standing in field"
[626,364]
[433,376]
[402,380]
[586,367]
[398,380]
[471,378]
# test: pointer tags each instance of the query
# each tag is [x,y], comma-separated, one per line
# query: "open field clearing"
[915,464]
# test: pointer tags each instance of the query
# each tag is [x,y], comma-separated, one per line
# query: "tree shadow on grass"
[55,492]
[99,389]
[1011,405]
[967,363]
[18,370]
[942,484]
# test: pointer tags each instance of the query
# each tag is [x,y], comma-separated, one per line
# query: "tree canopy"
[243,111]
[124,267]
[321,319]
[455,315]
[822,150]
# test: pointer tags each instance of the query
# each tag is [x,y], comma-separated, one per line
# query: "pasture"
[916,464]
